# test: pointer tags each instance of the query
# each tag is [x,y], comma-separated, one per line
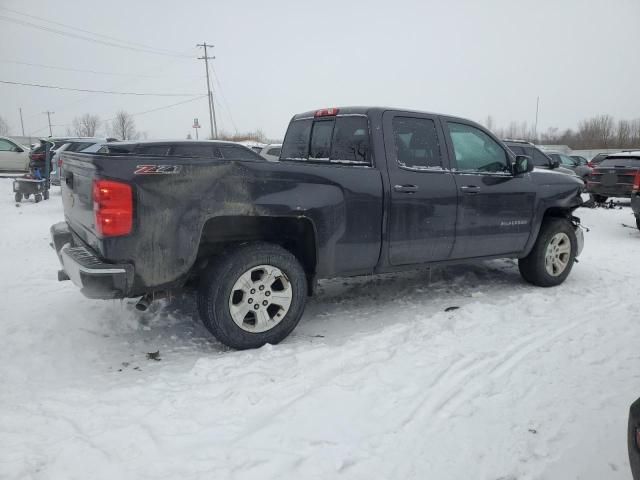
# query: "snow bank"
[378,381]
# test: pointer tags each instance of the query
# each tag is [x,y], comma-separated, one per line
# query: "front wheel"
[253,295]
[18,197]
[551,259]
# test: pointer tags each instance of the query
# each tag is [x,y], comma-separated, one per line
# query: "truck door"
[423,202]
[495,207]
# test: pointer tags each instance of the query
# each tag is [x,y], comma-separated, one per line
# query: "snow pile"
[378,380]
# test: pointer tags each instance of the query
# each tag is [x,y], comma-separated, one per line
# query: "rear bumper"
[95,277]
[621,190]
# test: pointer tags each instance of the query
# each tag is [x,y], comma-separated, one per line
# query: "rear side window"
[157,150]
[518,150]
[539,158]
[633,162]
[417,144]
[234,152]
[274,151]
[76,147]
[195,150]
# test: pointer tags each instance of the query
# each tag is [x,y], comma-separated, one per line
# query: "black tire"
[27,195]
[37,197]
[45,195]
[18,197]
[599,198]
[216,286]
[532,267]
[638,221]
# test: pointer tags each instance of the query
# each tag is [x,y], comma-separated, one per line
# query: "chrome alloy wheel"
[260,298]
[558,254]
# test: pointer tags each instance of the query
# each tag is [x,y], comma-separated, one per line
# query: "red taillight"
[590,165]
[326,112]
[636,183]
[113,208]
[59,162]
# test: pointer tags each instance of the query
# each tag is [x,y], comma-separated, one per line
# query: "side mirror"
[555,163]
[523,164]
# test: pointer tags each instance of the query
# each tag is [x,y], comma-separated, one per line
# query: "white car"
[271,152]
[13,156]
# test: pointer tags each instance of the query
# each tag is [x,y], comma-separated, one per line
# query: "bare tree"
[4,127]
[123,126]
[86,125]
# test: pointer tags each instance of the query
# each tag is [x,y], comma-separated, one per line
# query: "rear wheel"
[18,197]
[252,295]
[45,195]
[551,259]
[599,198]
[638,221]
[37,197]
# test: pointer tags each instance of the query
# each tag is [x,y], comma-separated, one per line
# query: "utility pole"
[535,127]
[49,117]
[21,121]
[212,113]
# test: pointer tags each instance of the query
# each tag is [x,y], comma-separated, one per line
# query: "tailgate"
[76,184]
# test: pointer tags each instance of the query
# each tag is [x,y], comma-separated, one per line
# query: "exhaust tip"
[143,304]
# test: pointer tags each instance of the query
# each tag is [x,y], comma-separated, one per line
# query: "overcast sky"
[277,58]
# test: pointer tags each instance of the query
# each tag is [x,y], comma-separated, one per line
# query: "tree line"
[122,126]
[599,132]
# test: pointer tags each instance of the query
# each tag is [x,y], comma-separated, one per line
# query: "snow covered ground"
[377,382]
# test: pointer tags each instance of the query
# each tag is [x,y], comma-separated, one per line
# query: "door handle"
[406,188]
[471,189]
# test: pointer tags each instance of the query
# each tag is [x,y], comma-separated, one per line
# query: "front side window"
[416,142]
[567,161]
[476,151]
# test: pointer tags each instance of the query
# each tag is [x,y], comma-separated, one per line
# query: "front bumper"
[579,239]
[95,277]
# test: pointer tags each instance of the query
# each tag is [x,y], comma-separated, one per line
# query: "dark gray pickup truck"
[357,191]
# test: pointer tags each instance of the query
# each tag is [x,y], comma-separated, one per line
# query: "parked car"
[13,156]
[566,161]
[71,145]
[597,159]
[615,176]
[635,200]
[272,152]
[579,159]
[540,158]
[633,439]
[356,191]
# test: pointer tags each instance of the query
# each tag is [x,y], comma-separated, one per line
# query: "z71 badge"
[157,169]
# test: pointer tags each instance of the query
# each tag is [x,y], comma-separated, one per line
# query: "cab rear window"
[343,139]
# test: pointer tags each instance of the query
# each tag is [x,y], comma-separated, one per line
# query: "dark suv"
[540,159]
[616,176]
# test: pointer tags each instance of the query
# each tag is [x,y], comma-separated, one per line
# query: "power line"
[46,20]
[48,113]
[89,39]
[109,92]
[67,69]
[224,98]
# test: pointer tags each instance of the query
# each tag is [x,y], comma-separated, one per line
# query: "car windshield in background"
[627,162]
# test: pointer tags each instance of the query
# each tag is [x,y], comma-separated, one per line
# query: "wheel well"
[557,212]
[297,235]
